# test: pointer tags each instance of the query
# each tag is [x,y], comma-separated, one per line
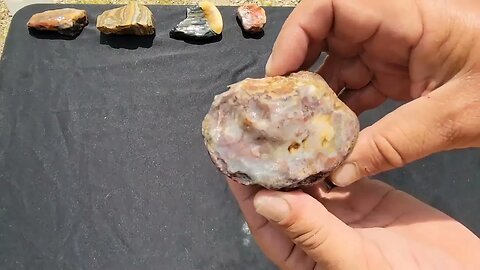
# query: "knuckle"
[386,153]
[449,131]
[308,239]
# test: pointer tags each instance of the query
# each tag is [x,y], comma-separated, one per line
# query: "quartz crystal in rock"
[203,21]
[132,19]
[252,17]
[279,132]
[66,21]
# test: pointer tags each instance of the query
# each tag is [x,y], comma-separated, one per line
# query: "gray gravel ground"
[4,23]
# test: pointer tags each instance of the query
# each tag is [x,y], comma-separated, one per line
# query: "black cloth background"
[102,163]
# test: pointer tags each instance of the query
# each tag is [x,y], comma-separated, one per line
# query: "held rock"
[279,132]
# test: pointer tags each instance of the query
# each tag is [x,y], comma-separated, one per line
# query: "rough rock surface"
[252,17]
[279,132]
[66,21]
[132,19]
[203,21]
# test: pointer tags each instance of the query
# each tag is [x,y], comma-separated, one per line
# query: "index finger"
[313,23]
[300,40]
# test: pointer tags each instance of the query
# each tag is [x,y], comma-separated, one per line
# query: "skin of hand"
[366,225]
[426,52]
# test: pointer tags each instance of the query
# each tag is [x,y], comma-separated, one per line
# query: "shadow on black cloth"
[51,35]
[196,41]
[249,35]
[127,41]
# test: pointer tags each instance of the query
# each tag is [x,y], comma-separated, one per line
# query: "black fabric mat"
[102,164]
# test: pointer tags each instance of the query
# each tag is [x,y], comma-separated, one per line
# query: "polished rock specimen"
[131,19]
[279,132]
[252,17]
[203,21]
[66,21]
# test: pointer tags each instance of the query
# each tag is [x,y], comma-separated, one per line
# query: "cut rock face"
[252,18]
[279,132]
[66,21]
[203,21]
[132,19]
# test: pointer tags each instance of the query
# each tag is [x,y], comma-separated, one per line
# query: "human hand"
[367,225]
[426,51]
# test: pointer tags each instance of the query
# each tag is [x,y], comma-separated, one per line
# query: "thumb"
[323,237]
[426,125]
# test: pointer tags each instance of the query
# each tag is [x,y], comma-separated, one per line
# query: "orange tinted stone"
[66,21]
[252,17]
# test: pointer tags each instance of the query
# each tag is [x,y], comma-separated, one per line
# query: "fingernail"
[272,207]
[268,65]
[345,175]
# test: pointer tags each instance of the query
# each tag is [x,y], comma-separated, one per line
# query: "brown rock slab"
[131,19]
[279,132]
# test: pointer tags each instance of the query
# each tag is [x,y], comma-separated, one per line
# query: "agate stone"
[203,21]
[66,21]
[279,132]
[131,19]
[252,17]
